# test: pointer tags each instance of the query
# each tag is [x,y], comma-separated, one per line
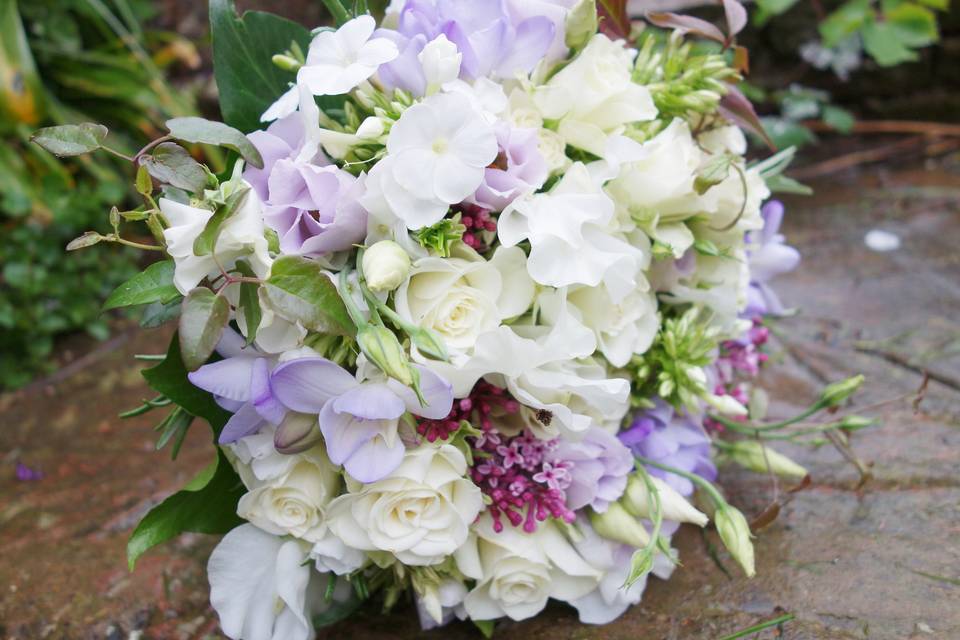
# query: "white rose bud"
[385,266]
[752,455]
[616,523]
[441,62]
[735,533]
[673,506]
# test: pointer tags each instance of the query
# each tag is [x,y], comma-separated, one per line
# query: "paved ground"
[880,562]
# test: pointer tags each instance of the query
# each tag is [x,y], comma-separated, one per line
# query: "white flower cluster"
[526,221]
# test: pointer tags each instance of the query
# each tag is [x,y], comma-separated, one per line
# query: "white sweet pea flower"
[259,586]
[545,368]
[719,283]
[420,512]
[440,604]
[240,237]
[330,554]
[441,62]
[293,503]
[570,238]
[622,328]
[517,572]
[594,96]
[437,152]
[464,296]
[337,61]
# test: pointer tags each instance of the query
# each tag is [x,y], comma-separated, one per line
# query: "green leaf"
[203,131]
[143,182]
[300,290]
[769,8]
[88,239]
[916,26]
[849,18]
[713,173]
[838,118]
[203,317]
[885,45]
[207,239]
[249,302]
[153,284]
[243,47]
[785,184]
[340,10]
[159,313]
[171,164]
[169,379]
[71,139]
[207,505]
[485,627]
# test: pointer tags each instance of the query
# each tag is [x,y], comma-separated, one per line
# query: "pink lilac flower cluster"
[477,220]
[739,362]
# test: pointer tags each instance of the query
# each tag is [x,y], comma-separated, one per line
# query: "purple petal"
[436,391]
[228,378]
[232,344]
[375,460]
[370,401]
[243,423]
[344,434]
[261,394]
[306,384]
[534,36]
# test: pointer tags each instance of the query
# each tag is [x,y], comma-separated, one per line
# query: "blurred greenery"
[69,61]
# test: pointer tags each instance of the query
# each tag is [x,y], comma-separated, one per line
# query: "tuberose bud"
[735,534]
[383,349]
[673,506]
[752,455]
[616,523]
[837,392]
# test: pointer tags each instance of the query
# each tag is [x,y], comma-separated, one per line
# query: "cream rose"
[594,95]
[517,572]
[464,296]
[420,513]
[293,503]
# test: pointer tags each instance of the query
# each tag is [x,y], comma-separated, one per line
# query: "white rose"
[461,298]
[385,265]
[240,237]
[441,62]
[594,95]
[420,513]
[517,572]
[553,148]
[294,503]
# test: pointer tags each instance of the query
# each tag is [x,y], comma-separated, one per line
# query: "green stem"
[760,627]
[752,429]
[692,477]
[352,309]
[135,245]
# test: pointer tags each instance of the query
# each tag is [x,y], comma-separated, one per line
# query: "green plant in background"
[68,61]
[889,31]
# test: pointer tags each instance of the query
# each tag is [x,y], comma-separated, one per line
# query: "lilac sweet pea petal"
[533,38]
[374,460]
[344,434]
[436,391]
[370,401]
[306,384]
[244,422]
[232,344]
[261,394]
[229,378]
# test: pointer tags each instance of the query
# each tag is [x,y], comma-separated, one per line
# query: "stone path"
[881,562]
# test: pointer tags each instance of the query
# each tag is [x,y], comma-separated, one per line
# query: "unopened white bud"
[441,62]
[386,266]
[673,506]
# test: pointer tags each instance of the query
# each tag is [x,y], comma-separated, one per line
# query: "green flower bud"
[673,506]
[735,534]
[286,62]
[641,563]
[752,455]
[383,349]
[855,423]
[428,343]
[581,24]
[837,392]
[616,523]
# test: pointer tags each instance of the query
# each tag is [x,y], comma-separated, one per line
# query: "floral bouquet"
[468,311]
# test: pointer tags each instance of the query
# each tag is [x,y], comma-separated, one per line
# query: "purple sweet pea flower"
[519,168]
[673,439]
[600,467]
[240,383]
[359,420]
[492,42]
[768,257]
[310,203]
